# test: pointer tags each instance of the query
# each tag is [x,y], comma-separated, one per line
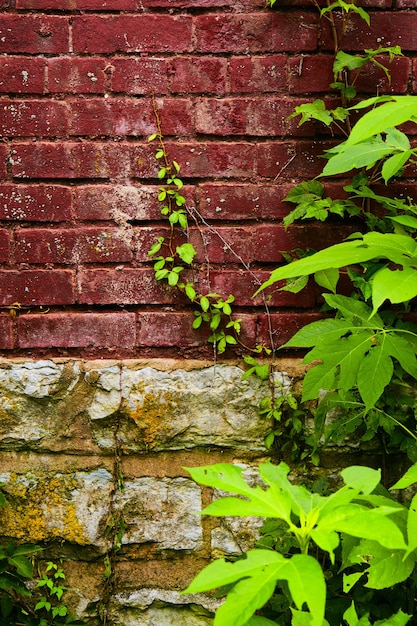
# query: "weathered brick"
[6,332]
[386,29]
[168,329]
[71,246]
[123,286]
[174,329]
[243,284]
[81,5]
[132,33]
[35,203]
[310,74]
[258,74]
[214,159]
[124,117]
[77,330]
[224,244]
[36,287]
[120,203]
[33,118]
[202,4]
[374,80]
[249,116]
[283,326]
[198,75]
[139,76]
[4,159]
[283,161]
[406,4]
[34,34]
[256,32]
[222,201]
[73,160]
[272,239]
[414,75]
[70,75]
[4,245]
[22,75]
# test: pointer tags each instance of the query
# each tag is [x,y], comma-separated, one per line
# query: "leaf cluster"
[356,518]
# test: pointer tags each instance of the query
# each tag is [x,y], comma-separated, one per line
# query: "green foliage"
[356,520]
[170,261]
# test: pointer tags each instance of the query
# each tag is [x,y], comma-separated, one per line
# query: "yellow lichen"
[152,416]
[40,508]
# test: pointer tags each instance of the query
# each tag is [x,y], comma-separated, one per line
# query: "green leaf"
[186,252]
[270,503]
[358,521]
[401,350]
[409,478]
[393,285]
[392,166]
[204,303]
[375,373]
[387,567]
[398,110]
[22,564]
[349,157]
[320,331]
[412,525]
[405,220]
[327,279]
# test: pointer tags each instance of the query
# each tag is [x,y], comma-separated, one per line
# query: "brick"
[4,160]
[159,329]
[6,332]
[76,75]
[120,203]
[283,161]
[256,32]
[198,75]
[272,239]
[386,29]
[33,118]
[248,116]
[126,117]
[214,159]
[310,74]
[243,284]
[406,4]
[224,244]
[374,80]
[22,75]
[283,326]
[139,76]
[71,246]
[77,330]
[132,33]
[123,286]
[34,34]
[258,74]
[222,201]
[146,236]
[36,287]
[82,5]
[4,245]
[168,329]
[201,4]
[74,160]
[35,203]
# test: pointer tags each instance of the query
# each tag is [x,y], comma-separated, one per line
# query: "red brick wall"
[78,208]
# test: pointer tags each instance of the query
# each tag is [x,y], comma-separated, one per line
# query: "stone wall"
[93,453]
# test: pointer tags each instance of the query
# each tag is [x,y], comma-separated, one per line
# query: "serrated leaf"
[353,310]
[364,154]
[399,348]
[387,567]
[320,331]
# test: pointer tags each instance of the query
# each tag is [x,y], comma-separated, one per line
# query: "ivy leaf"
[186,252]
